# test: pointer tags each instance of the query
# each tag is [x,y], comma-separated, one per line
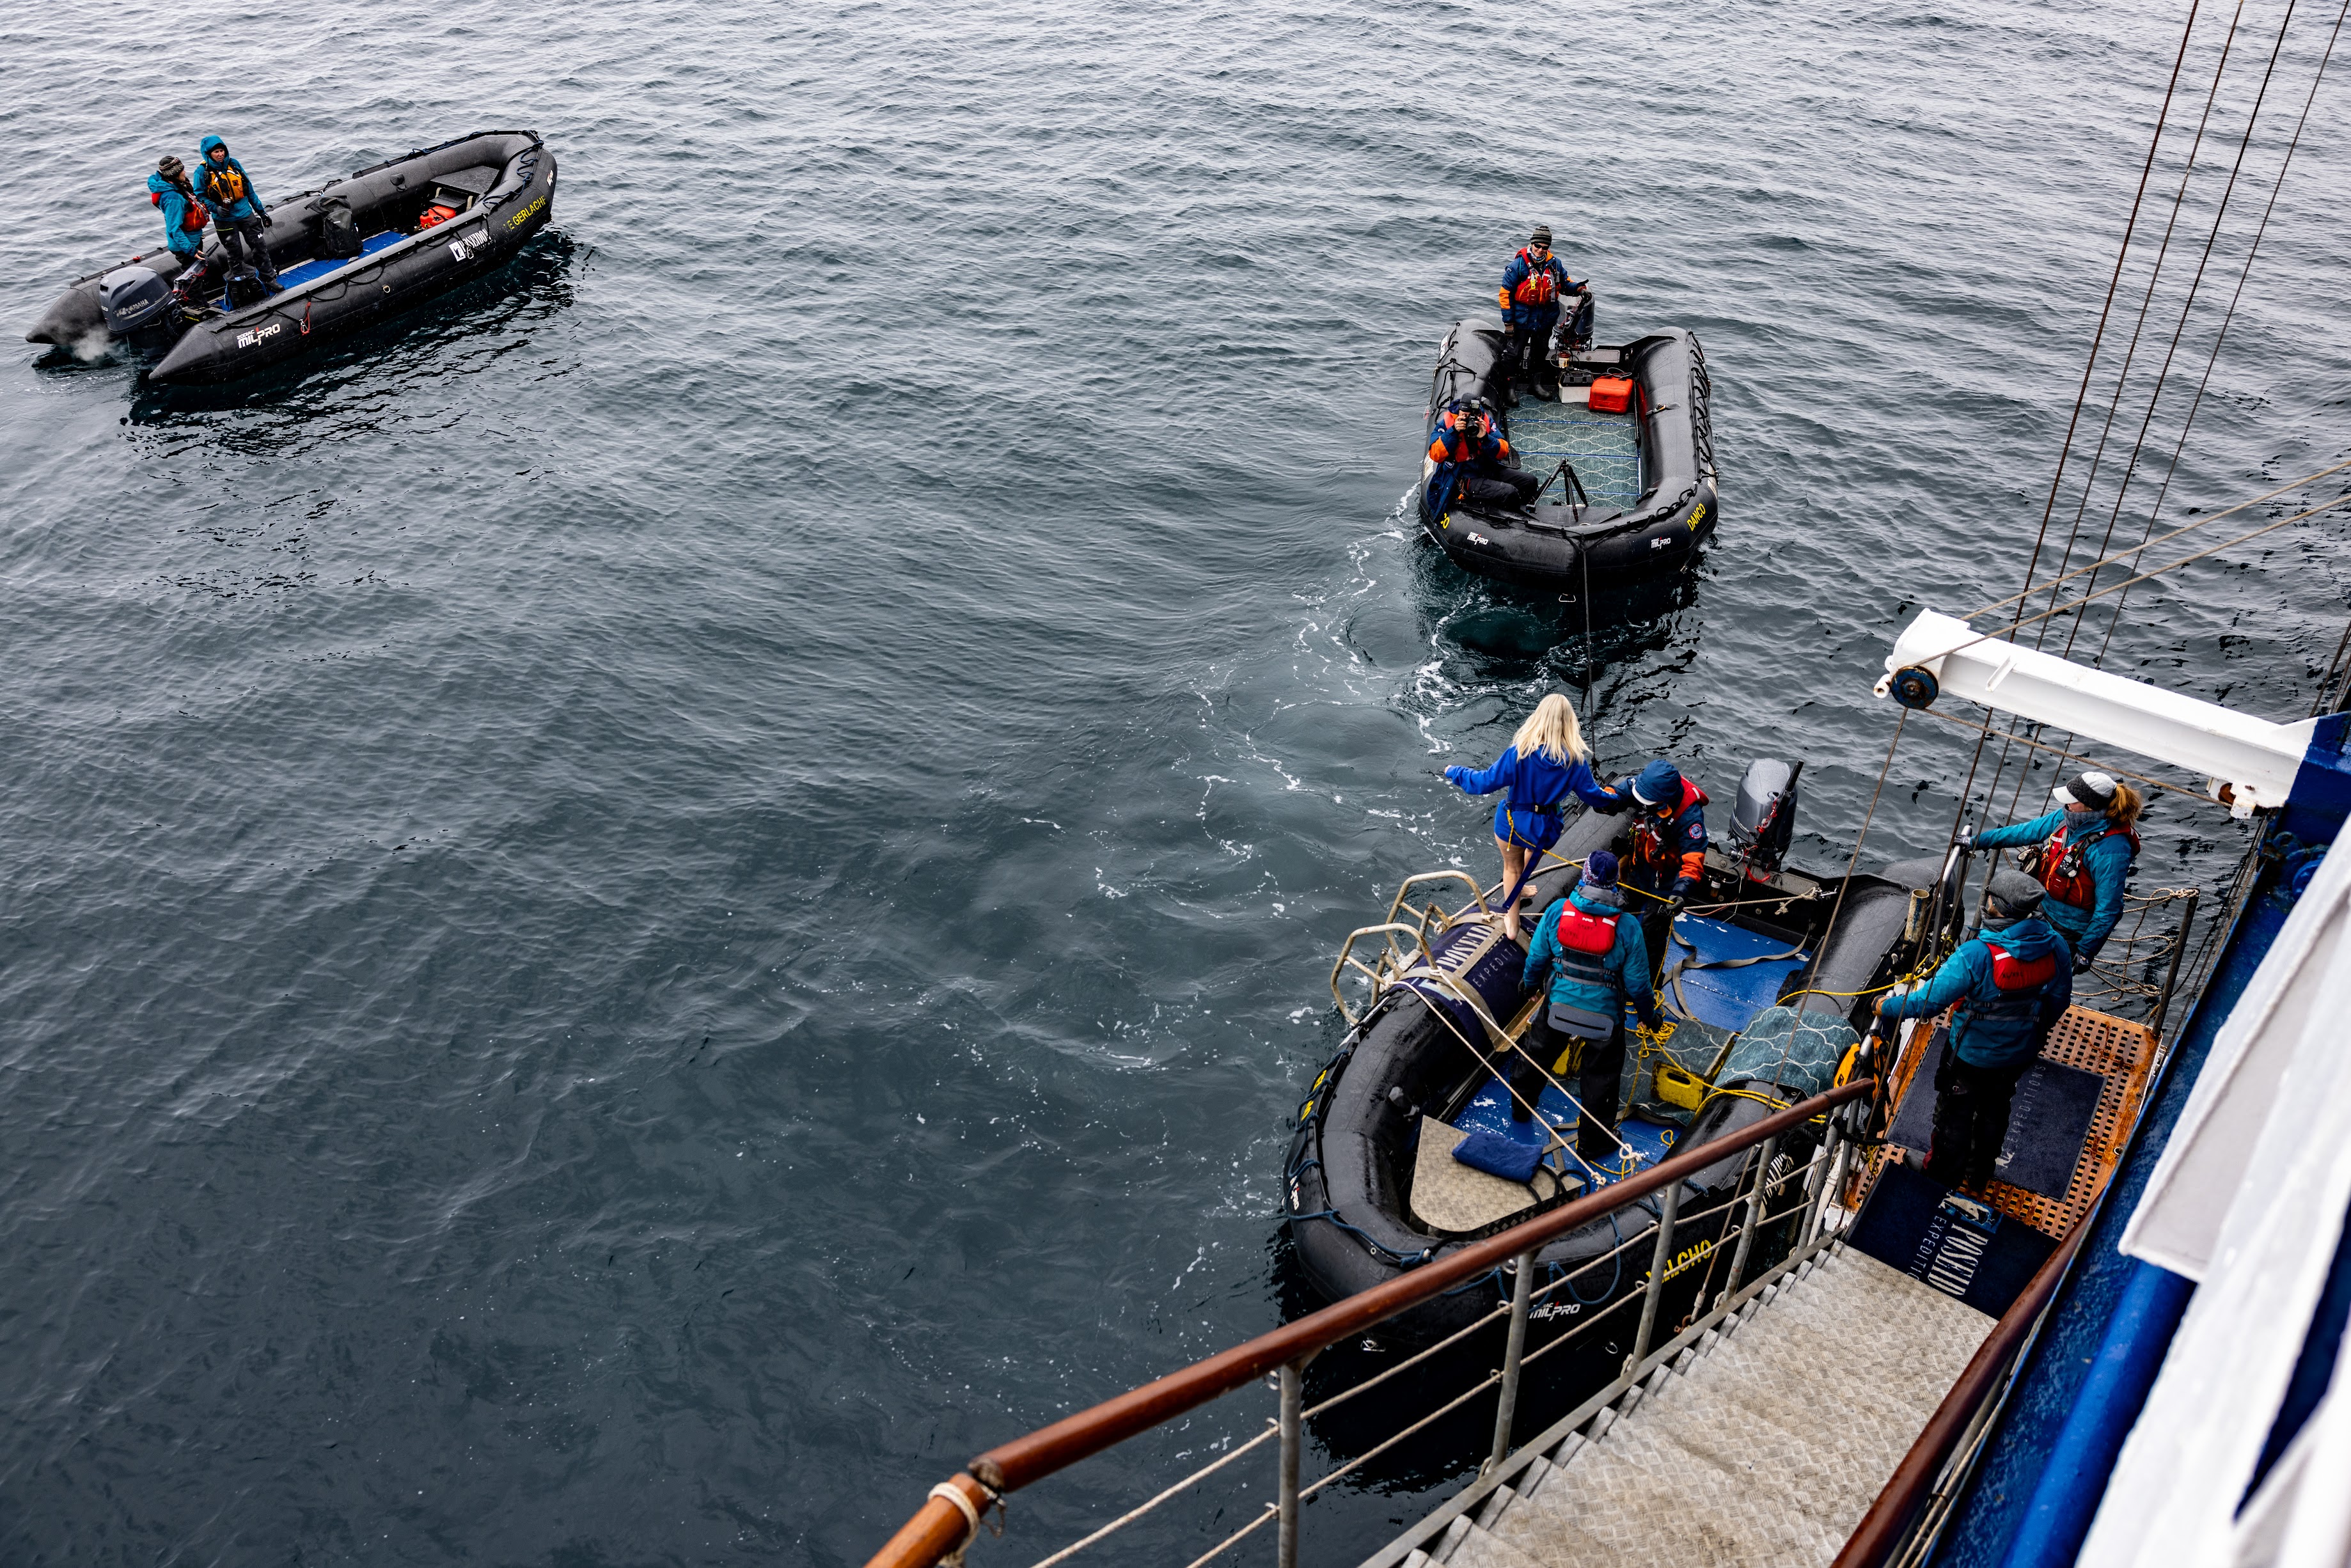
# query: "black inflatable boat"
[1626,494]
[360,248]
[1762,1010]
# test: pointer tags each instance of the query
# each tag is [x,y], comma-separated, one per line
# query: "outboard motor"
[338,232]
[1763,824]
[135,299]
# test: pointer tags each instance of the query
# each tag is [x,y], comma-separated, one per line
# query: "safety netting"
[1601,447]
[1797,1050]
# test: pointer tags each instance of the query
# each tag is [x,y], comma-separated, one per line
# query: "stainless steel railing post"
[1521,1294]
[1816,1197]
[1754,1211]
[1657,1263]
[1293,1408]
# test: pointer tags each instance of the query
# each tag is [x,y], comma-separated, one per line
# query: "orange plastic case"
[1612,394]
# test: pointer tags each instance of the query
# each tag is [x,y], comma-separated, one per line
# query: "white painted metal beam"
[2254,759]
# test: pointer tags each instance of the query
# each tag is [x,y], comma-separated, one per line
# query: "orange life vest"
[1539,286]
[2062,871]
[224,185]
[1456,438]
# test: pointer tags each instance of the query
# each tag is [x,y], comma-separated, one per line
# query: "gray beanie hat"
[2013,894]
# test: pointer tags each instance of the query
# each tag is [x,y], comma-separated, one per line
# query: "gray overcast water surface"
[639,912]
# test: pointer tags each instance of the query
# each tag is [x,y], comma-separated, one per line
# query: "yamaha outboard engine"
[135,300]
[1763,824]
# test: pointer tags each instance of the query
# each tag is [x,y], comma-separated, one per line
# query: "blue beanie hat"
[1600,869]
[1660,783]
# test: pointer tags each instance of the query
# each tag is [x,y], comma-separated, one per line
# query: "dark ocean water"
[640,913]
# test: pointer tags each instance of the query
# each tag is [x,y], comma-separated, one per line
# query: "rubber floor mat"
[2047,1122]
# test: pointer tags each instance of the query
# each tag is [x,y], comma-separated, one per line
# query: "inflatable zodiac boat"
[1763,1000]
[1625,452]
[364,247]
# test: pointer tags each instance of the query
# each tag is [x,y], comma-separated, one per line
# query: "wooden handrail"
[1889,1519]
[936,1530]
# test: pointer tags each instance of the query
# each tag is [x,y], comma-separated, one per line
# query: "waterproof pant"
[1971,1119]
[1498,486]
[1526,352]
[237,238]
[1597,1081]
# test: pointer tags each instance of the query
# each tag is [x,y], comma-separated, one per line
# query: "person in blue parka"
[1535,285]
[1597,961]
[240,214]
[2086,848]
[1547,762]
[1472,461]
[1664,850]
[2011,982]
[184,217]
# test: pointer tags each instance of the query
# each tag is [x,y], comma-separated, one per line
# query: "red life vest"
[1582,933]
[196,218]
[2019,982]
[1457,439]
[1585,941]
[1541,284]
[1648,844]
[2062,871]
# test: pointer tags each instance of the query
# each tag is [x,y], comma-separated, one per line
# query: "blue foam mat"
[1729,999]
[1490,1111]
[303,272]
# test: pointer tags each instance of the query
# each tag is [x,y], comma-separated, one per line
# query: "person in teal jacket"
[2087,847]
[240,214]
[169,190]
[2011,982]
[1596,960]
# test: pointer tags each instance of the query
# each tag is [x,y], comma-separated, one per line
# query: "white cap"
[2095,790]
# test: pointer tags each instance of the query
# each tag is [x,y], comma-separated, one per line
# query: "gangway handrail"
[1886,1529]
[945,1523]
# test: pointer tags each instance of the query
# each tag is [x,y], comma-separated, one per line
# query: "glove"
[2082,962]
[1967,839]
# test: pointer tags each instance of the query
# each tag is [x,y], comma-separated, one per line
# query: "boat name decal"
[1697,516]
[1688,1257]
[525,216]
[259,334]
[1556,1310]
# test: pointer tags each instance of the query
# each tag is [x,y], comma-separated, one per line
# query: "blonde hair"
[1552,729]
[2127,804]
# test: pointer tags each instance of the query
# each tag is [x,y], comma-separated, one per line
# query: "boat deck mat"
[1602,447]
[303,272]
[1727,998]
[1490,1111]
[2115,1053]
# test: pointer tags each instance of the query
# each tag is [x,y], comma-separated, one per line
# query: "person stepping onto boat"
[2012,982]
[1597,962]
[1665,854]
[2087,848]
[1547,762]
[238,215]
[184,225]
[1532,286]
[1474,463]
